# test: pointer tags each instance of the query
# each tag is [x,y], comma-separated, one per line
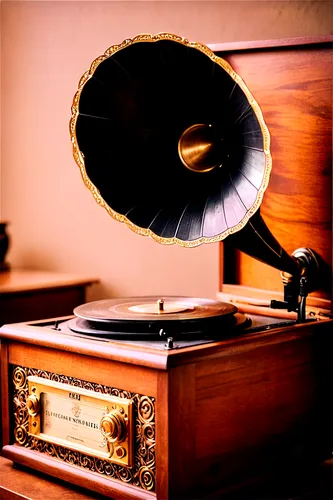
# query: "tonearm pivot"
[297,287]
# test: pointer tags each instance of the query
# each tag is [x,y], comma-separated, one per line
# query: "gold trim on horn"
[79,157]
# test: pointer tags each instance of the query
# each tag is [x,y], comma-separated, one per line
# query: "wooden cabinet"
[208,417]
[28,295]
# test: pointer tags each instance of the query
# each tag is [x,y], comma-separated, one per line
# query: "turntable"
[150,317]
[183,397]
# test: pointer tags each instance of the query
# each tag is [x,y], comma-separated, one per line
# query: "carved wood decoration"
[143,472]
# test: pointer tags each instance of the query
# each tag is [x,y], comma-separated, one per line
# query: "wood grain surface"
[93,369]
[112,350]
[273,43]
[17,483]
[271,403]
[293,87]
[102,485]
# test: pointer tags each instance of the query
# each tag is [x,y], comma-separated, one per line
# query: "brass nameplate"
[96,424]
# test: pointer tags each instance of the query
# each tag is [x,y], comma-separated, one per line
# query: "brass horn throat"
[197,147]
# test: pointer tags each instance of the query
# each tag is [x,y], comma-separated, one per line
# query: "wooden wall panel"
[293,87]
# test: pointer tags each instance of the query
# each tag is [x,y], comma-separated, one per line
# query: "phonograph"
[183,397]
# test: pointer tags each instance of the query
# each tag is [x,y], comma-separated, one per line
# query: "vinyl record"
[153,309]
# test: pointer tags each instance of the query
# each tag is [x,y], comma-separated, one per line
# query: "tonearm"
[300,272]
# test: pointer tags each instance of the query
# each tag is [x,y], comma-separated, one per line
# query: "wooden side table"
[29,295]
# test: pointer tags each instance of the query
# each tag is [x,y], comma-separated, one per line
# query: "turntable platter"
[194,331]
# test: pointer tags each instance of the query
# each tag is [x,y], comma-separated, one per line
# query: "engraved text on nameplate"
[75,421]
[78,419]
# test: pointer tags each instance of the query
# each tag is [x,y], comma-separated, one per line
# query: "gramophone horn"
[170,141]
